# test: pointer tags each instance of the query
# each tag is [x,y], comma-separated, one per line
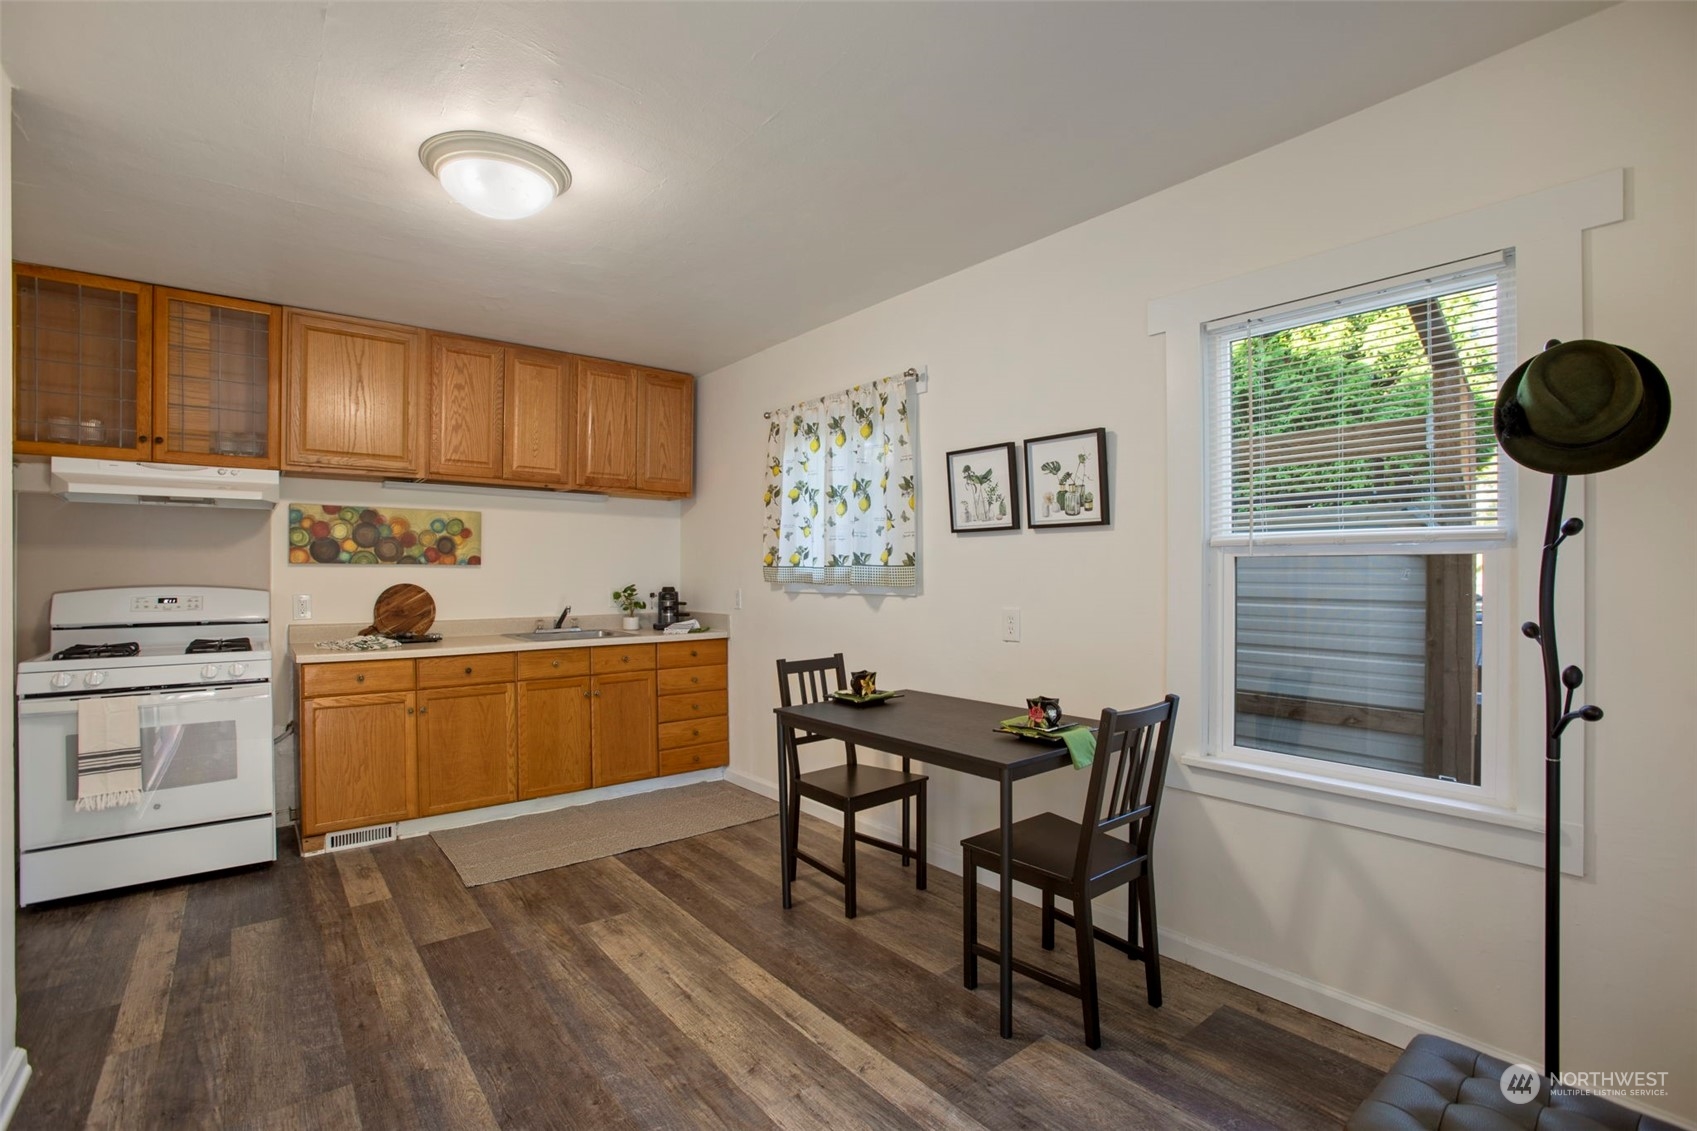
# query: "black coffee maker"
[667,604]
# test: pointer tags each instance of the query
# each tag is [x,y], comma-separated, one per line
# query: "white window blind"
[1363,415]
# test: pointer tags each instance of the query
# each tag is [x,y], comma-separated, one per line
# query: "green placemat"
[1080,739]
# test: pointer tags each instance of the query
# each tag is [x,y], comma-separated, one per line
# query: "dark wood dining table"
[941,731]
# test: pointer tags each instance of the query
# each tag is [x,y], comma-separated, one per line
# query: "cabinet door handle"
[359,679]
[424,710]
[586,695]
[597,694]
[409,710]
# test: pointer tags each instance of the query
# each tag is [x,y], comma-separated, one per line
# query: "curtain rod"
[921,377]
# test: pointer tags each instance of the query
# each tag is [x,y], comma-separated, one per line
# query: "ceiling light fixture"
[495,176]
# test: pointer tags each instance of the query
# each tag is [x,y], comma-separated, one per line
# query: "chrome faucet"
[561,619]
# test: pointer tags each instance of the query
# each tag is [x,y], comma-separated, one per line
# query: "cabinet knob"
[468,670]
[586,695]
[695,706]
[359,679]
[424,710]
[159,439]
[624,659]
[695,733]
[409,710]
[556,663]
[597,694]
[693,652]
[695,679]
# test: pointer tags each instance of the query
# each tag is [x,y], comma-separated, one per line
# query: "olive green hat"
[1581,407]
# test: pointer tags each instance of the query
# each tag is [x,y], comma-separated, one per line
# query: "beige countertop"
[469,638]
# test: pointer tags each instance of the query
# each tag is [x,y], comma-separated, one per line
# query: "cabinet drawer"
[622,658]
[463,671]
[693,732]
[691,653]
[688,681]
[704,705]
[553,663]
[686,758]
[351,679]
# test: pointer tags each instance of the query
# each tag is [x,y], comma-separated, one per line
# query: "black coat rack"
[1559,685]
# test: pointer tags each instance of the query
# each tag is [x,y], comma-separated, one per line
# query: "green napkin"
[1081,744]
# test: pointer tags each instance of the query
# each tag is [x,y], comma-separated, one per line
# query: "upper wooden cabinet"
[353,395]
[83,364]
[216,379]
[665,421]
[635,429]
[113,369]
[605,436]
[466,381]
[537,440]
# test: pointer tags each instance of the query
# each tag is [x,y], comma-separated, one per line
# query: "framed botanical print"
[1066,479]
[983,489]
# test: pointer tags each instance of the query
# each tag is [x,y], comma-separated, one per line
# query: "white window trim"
[1505,818]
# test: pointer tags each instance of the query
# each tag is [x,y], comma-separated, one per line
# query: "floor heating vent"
[359,838]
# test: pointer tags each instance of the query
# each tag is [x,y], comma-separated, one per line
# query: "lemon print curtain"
[840,493]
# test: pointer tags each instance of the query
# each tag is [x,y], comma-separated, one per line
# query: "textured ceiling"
[741,172]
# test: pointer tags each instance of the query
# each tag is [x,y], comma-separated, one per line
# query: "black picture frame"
[977,499]
[1066,479]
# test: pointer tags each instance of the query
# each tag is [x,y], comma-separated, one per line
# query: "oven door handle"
[68,705]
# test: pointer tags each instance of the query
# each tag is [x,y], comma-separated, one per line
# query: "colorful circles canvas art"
[332,534]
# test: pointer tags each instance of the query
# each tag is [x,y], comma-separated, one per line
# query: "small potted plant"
[631,604]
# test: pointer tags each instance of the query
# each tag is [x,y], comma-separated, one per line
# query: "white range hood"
[169,484]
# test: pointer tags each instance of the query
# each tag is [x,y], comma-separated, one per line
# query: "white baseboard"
[12,1080]
[1347,1009]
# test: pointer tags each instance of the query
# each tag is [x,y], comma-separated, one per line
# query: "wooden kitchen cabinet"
[83,361]
[554,741]
[693,729]
[605,436]
[217,380]
[665,423]
[467,379]
[353,395]
[357,761]
[537,443]
[622,726]
[466,747]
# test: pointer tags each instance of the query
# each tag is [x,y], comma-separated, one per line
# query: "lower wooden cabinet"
[466,748]
[554,742]
[622,727]
[388,740]
[357,764]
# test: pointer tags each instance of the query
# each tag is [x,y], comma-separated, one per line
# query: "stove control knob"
[210,671]
[238,669]
[93,679]
[62,680]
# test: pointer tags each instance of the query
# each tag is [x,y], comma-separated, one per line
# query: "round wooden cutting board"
[402,609]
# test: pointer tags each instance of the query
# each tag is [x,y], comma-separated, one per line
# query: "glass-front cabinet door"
[216,380]
[82,365]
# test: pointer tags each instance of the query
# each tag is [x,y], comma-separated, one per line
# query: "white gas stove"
[176,684]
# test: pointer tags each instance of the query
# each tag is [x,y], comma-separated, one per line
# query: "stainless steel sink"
[567,634]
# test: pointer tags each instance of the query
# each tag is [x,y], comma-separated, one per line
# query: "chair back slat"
[807,681]
[1126,777]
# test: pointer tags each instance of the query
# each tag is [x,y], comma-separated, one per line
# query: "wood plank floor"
[661,988]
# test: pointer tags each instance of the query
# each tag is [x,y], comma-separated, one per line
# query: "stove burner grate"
[219,644]
[97,651]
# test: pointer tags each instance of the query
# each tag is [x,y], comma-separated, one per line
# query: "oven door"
[205,756]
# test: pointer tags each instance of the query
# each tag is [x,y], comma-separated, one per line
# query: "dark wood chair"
[1079,861]
[849,788]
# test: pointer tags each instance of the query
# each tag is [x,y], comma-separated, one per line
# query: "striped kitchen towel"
[108,753]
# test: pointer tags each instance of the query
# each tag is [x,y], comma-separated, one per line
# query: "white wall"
[1386,933]
[14,1065]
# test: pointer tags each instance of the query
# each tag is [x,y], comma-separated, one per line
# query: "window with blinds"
[1362,415]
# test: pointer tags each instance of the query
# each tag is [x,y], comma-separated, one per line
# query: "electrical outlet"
[1010,625]
[303,606]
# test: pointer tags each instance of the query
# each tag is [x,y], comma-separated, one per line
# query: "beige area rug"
[536,842]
